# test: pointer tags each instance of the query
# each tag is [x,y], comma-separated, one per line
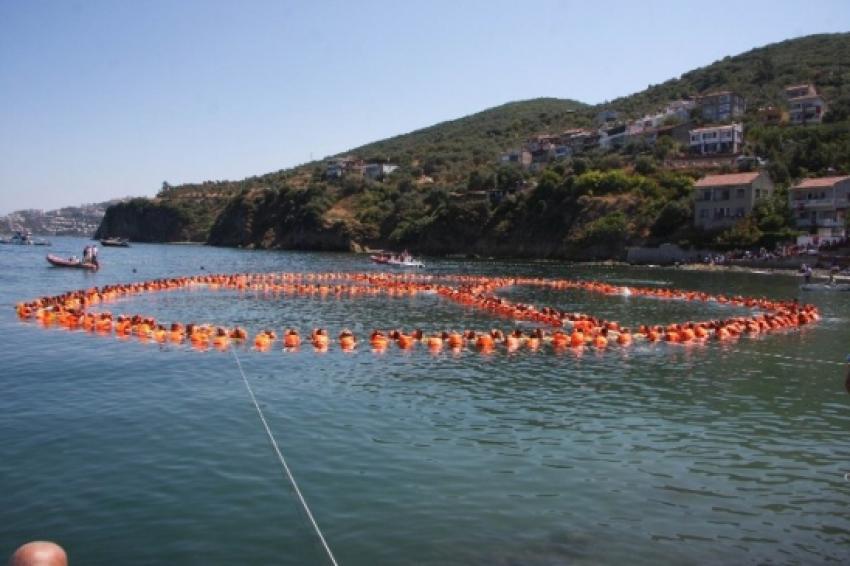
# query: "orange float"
[74,311]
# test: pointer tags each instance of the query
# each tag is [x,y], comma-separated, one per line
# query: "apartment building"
[722,200]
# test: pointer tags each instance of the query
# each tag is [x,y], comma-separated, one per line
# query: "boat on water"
[115,242]
[73,262]
[403,259]
[24,238]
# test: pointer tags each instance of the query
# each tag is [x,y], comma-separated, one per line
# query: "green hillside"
[759,74]
[590,206]
[449,150]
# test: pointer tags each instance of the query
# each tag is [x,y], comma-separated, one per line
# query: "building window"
[703,213]
[724,194]
[740,193]
[739,212]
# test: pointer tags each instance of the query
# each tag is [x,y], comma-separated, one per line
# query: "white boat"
[24,238]
[403,259]
[410,262]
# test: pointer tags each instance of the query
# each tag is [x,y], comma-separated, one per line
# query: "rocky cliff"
[143,220]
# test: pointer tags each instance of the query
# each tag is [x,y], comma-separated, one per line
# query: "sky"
[106,99]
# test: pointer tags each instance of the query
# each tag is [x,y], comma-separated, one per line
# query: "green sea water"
[133,453]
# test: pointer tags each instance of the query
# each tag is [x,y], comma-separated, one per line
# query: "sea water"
[135,453]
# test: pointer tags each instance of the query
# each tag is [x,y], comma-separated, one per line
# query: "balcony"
[814,204]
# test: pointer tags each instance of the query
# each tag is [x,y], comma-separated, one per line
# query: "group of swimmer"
[71,310]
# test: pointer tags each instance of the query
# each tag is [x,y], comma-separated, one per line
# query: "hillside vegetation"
[589,206]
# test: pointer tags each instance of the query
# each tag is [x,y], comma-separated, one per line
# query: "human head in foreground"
[39,553]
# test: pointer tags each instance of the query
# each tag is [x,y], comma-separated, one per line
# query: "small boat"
[403,259]
[405,262]
[24,238]
[57,261]
[825,287]
[115,242]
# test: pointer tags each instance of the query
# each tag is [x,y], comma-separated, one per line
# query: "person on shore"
[39,553]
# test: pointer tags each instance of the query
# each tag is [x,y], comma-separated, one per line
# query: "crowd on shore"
[808,252]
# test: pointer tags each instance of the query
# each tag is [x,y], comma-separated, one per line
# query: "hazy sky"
[102,99]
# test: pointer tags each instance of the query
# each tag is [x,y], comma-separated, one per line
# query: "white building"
[820,205]
[717,140]
[807,109]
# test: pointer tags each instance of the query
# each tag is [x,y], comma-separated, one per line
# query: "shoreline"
[817,273]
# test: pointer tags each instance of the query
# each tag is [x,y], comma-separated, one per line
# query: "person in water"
[39,553]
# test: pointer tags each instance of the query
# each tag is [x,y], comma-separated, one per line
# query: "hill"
[80,220]
[589,206]
[759,74]
[447,151]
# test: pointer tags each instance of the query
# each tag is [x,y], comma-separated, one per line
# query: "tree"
[664,147]
[673,216]
[580,166]
[839,110]
[609,229]
[744,234]
[645,165]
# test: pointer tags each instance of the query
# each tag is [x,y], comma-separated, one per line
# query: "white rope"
[282,460]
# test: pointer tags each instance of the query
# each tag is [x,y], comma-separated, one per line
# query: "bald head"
[39,553]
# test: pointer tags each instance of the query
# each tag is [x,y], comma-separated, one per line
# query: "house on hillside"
[805,105]
[771,115]
[722,200]
[542,148]
[796,91]
[541,143]
[562,151]
[717,140]
[680,133]
[521,157]
[499,194]
[680,109]
[638,134]
[820,205]
[606,116]
[722,106]
[339,166]
[613,137]
[579,140]
[377,171]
